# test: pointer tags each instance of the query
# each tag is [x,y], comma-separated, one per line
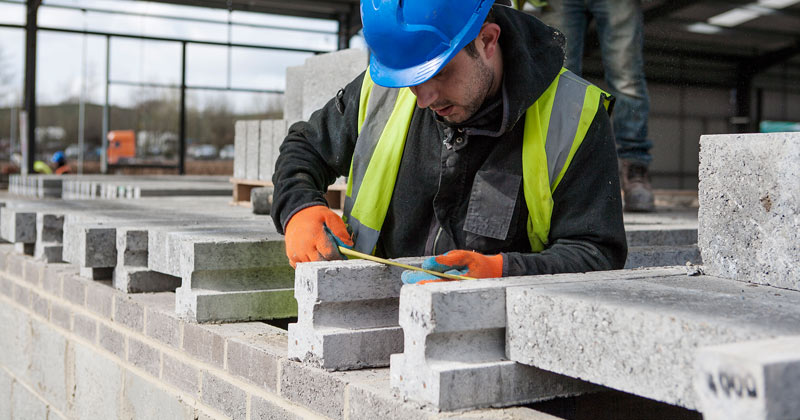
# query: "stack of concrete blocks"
[38,186]
[134,187]
[308,88]
[238,273]
[651,245]
[347,314]
[648,336]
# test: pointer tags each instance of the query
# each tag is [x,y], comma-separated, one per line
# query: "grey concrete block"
[111,340]
[325,74]
[6,286]
[85,327]
[142,280]
[17,225]
[280,129]
[100,300]
[74,289]
[240,149]
[662,256]
[258,367]
[89,244]
[181,375]
[266,154]
[40,305]
[98,385]
[15,265]
[641,335]
[129,313]
[749,201]
[49,237]
[26,405]
[752,380]
[261,199]
[96,273]
[263,409]
[22,295]
[454,355]
[15,340]
[224,396]
[48,370]
[203,344]
[252,158]
[144,356]
[53,275]
[246,305]
[312,388]
[33,272]
[293,95]
[61,316]
[131,247]
[24,249]
[165,328]
[145,400]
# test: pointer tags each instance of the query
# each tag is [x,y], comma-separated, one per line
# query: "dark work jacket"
[454,178]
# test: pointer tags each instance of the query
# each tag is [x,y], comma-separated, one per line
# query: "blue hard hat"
[58,157]
[411,40]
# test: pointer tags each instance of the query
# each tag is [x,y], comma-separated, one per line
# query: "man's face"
[458,90]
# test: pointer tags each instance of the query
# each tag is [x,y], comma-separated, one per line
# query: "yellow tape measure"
[351,253]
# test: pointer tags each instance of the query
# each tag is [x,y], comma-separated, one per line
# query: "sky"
[60,56]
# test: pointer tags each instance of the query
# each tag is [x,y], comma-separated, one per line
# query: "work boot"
[636,189]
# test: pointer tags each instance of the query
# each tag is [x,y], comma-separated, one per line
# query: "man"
[494,159]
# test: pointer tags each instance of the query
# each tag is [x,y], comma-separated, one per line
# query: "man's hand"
[460,262]
[313,234]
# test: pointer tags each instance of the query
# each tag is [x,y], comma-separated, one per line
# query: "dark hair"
[470,48]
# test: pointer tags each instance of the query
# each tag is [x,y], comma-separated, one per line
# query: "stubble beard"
[478,89]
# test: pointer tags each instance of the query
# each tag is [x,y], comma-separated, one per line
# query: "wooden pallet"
[242,188]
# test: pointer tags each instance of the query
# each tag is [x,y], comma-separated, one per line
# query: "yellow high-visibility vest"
[555,126]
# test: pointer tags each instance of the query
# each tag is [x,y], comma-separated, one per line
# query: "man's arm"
[314,154]
[586,229]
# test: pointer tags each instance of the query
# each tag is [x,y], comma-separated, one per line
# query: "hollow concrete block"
[49,237]
[18,225]
[756,380]
[641,335]
[749,204]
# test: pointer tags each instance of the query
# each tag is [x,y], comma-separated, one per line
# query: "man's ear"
[488,39]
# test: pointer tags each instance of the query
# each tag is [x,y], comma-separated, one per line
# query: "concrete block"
[111,340]
[641,335]
[17,225]
[33,272]
[258,367]
[454,355]
[61,316]
[26,405]
[96,273]
[6,286]
[325,74]
[252,158]
[15,265]
[280,129]
[247,305]
[74,289]
[266,154]
[662,256]
[89,244]
[240,149]
[312,388]
[338,316]
[181,375]
[293,95]
[85,327]
[261,199]
[203,344]
[129,313]
[15,340]
[40,305]
[163,327]
[100,300]
[49,237]
[749,202]
[145,400]
[22,295]
[48,370]
[144,356]
[224,396]
[263,409]
[53,275]
[143,280]
[98,385]
[24,249]
[752,380]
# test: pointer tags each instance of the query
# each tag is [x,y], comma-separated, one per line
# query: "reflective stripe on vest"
[555,126]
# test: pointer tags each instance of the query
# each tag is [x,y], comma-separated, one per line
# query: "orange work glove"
[460,262]
[308,235]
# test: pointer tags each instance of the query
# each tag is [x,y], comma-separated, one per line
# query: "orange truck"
[121,145]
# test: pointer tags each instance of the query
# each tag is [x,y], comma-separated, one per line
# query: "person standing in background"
[620,33]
